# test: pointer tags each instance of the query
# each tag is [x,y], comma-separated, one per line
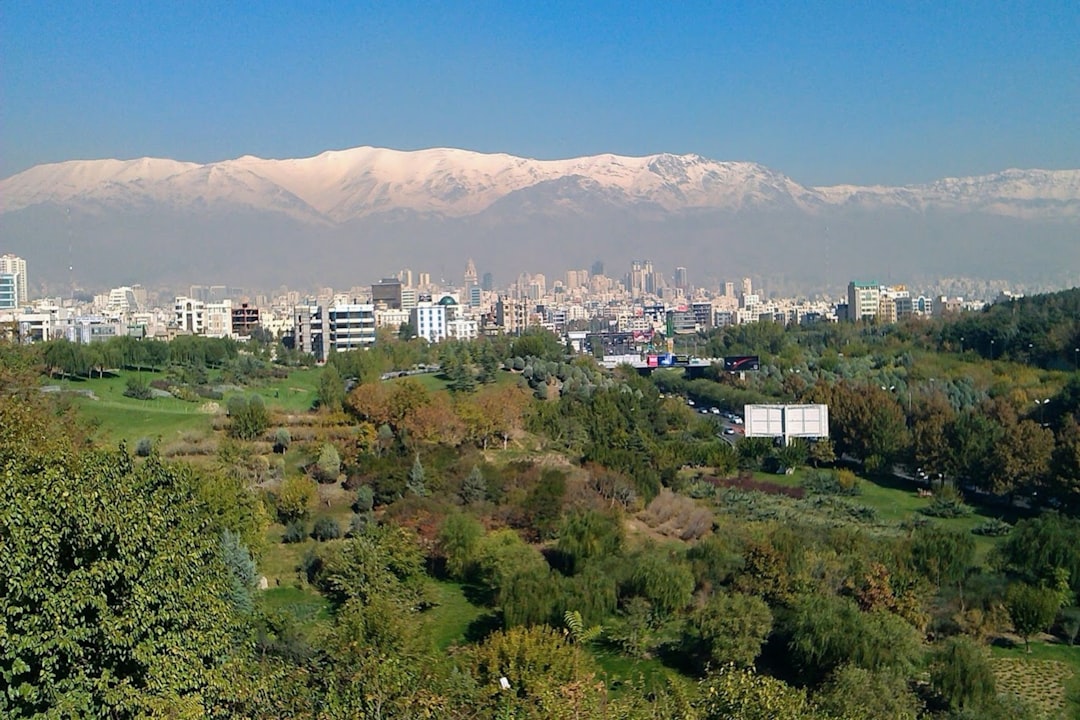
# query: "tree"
[1065,463]
[417,484]
[944,556]
[855,693]
[1032,609]
[826,632]
[961,674]
[282,440]
[1021,459]
[138,388]
[249,417]
[458,540]
[331,392]
[588,534]
[822,452]
[1038,547]
[328,466]
[474,488]
[733,627]
[106,563]
[326,528]
[664,581]
[734,694]
[294,498]
[365,499]
[930,448]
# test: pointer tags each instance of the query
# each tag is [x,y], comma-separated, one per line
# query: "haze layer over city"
[803,148]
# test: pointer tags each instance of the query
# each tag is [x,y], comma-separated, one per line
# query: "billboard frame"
[787,421]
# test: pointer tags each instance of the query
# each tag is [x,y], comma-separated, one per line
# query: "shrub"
[249,417]
[144,447]
[294,498]
[747,483]
[365,499]
[138,388]
[831,482]
[282,440]
[947,503]
[295,532]
[678,516]
[992,527]
[326,528]
[328,466]
[358,523]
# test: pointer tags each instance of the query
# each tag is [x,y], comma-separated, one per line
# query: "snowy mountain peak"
[339,186]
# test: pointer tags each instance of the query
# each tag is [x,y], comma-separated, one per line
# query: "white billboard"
[787,421]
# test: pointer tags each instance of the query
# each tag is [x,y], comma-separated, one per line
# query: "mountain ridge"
[351,215]
[342,185]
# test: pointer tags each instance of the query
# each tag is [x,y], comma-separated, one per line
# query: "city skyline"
[828,94]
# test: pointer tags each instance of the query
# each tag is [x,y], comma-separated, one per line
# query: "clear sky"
[828,92]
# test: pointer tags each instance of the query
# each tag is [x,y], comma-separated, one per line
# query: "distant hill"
[348,216]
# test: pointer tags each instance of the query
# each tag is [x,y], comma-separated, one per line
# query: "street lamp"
[1042,407]
[961,344]
[991,351]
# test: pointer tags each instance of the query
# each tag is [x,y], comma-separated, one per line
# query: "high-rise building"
[729,289]
[597,268]
[387,290]
[747,287]
[470,275]
[13,265]
[864,300]
[681,278]
[488,282]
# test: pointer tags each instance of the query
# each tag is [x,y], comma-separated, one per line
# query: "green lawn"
[304,604]
[119,418]
[448,622]
[294,394]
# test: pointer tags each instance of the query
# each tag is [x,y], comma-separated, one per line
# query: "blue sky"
[827,92]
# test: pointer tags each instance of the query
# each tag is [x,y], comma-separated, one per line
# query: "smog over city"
[504,360]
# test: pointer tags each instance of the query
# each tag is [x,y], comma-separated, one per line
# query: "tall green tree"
[733,627]
[113,590]
[961,674]
[1032,609]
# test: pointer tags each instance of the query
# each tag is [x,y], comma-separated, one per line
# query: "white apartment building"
[219,319]
[190,315]
[429,321]
[390,318]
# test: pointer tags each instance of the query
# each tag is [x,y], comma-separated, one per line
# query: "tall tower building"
[471,277]
[747,287]
[12,265]
[681,280]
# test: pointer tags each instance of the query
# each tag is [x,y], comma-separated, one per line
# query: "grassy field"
[119,418]
[449,622]
[294,394]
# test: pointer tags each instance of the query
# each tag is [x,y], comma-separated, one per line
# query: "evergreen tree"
[416,484]
[474,489]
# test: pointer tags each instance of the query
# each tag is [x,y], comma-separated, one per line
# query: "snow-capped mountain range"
[343,185]
[389,206]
